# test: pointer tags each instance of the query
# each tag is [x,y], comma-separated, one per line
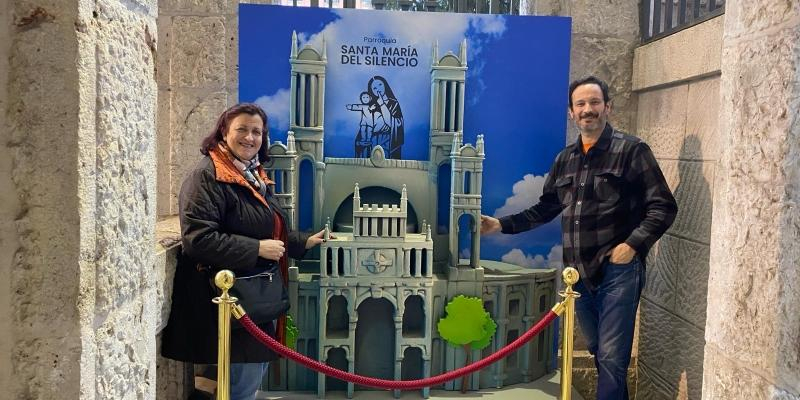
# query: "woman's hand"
[271,249]
[316,239]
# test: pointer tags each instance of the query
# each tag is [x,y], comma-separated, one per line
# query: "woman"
[388,117]
[229,220]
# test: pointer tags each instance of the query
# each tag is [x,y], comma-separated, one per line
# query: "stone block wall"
[198,78]
[677,80]
[197,71]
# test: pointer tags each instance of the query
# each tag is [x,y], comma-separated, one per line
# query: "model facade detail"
[403,240]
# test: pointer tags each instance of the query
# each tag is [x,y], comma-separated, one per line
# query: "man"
[615,205]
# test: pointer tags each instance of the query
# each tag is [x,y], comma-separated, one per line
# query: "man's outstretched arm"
[548,207]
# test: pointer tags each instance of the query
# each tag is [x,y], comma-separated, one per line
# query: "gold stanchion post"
[224,280]
[570,277]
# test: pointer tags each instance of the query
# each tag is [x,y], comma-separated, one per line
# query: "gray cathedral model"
[370,300]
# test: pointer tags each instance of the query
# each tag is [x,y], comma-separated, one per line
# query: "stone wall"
[78,87]
[677,81]
[604,35]
[81,106]
[9,205]
[752,346]
[197,79]
[174,380]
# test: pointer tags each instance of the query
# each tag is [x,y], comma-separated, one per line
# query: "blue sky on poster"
[516,93]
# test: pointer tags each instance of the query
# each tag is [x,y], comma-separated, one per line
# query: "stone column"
[9,203]
[81,106]
[752,346]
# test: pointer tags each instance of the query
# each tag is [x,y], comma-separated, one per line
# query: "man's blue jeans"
[246,379]
[607,315]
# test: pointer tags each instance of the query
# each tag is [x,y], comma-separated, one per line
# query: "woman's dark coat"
[222,220]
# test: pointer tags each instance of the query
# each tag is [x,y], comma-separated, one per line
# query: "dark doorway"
[375,339]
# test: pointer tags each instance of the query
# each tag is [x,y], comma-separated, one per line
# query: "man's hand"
[271,249]
[490,225]
[621,254]
[316,239]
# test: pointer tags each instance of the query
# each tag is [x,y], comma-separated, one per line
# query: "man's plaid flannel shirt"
[615,193]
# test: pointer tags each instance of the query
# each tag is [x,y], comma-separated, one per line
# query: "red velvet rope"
[389,384]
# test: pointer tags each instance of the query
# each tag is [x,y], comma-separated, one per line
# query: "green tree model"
[292,332]
[467,325]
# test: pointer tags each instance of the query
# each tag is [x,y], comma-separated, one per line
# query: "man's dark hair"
[589,80]
[224,121]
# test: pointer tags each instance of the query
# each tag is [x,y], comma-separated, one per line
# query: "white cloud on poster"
[555,259]
[518,257]
[277,108]
[525,193]
[493,26]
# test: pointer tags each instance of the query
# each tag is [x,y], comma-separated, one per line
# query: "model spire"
[290,146]
[462,52]
[404,198]
[356,199]
[456,144]
[294,44]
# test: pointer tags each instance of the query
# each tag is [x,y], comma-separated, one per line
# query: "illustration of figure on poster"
[366,126]
[381,121]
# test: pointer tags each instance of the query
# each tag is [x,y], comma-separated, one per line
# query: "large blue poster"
[378,92]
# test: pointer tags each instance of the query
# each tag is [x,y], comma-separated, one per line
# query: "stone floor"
[545,388]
